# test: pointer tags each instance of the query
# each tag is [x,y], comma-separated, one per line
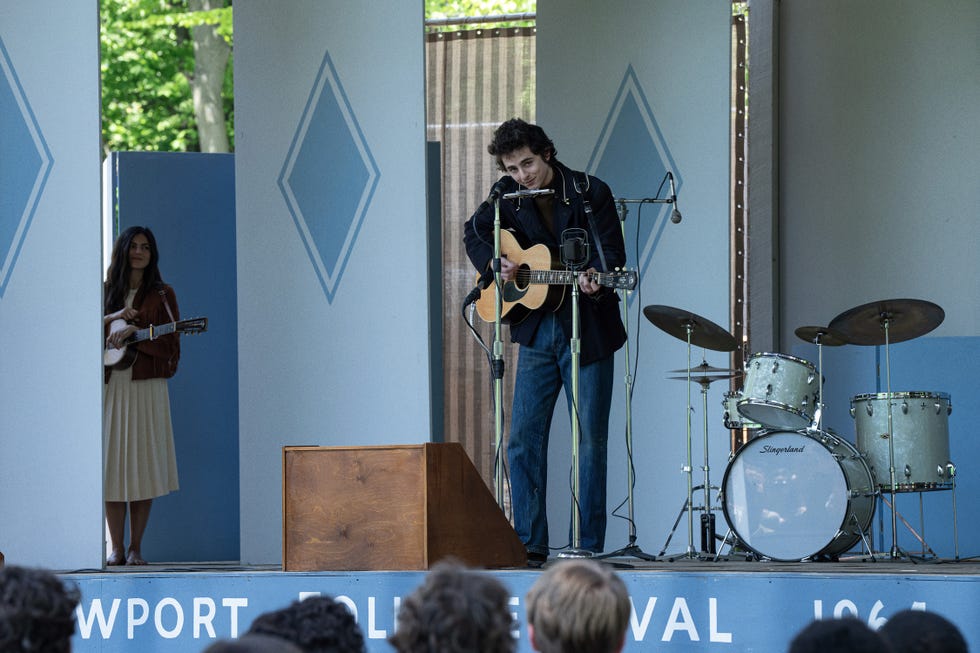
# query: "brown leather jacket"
[155,358]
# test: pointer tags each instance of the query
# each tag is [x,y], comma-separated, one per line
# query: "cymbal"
[907,319]
[703,367]
[677,322]
[822,335]
[704,379]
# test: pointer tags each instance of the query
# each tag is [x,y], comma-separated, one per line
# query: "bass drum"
[797,495]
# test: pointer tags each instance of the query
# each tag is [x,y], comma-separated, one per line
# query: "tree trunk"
[211,54]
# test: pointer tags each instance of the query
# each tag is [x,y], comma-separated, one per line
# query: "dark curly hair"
[317,624]
[844,635]
[37,611]
[455,610]
[917,631]
[513,135]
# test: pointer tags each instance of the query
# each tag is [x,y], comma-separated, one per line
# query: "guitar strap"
[166,304]
[581,181]
[170,361]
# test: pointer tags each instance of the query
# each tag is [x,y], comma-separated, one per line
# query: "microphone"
[481,284]
[528,193]
[496,191]
[675,215]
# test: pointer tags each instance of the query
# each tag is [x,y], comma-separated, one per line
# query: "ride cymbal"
[821,335]
[905,318]
[702,368]
[681,324]
[704,379]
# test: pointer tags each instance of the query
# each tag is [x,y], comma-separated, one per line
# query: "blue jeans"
[543,367]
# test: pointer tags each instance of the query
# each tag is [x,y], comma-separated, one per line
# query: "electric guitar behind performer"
[529,160]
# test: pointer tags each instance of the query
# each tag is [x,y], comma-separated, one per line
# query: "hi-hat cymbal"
[704,379]
[906,319]
[822,335]
[702,368]
[680,323]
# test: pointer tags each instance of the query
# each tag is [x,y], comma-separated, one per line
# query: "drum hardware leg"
[926,549]
[731,539]
[956,534]
[864,539]
[673,529]
[631,549]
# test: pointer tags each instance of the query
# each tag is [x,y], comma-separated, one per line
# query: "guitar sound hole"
[522,277]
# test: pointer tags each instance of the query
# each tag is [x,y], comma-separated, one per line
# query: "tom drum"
[780,391]
[920,424]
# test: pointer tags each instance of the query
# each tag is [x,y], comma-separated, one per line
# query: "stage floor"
[882,564]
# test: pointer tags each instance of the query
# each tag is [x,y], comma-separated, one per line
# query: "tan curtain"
[475,79]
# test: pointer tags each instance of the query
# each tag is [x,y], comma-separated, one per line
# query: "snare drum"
[796,495]
[920,423]
[733,418]
[780,391]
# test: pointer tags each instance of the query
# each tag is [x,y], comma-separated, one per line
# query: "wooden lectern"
[400,507]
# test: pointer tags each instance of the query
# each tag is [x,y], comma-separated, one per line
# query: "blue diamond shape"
[633,158]
[25,162]
[328,178]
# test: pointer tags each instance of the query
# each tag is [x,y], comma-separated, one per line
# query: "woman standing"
[139,462]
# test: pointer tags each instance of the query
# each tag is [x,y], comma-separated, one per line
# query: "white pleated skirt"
[137,439]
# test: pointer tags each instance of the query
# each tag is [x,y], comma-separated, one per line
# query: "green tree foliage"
[147,58]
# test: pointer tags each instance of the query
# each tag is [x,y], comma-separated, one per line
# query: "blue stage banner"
[169,612]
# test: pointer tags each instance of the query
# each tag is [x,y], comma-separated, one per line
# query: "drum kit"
[796,490]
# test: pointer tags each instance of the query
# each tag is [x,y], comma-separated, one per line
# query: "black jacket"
[601,327]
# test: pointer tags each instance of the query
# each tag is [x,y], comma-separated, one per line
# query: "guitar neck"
[564,277]
[153,332]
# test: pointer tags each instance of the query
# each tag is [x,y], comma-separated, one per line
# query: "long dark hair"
[117,278]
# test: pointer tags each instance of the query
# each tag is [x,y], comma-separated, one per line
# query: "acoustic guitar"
[537,283]
[122,358]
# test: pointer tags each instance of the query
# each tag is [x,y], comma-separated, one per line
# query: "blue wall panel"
[188,200]
[931,365]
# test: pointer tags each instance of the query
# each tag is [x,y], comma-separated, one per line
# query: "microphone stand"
[497,363]
[631,549]
[576,550]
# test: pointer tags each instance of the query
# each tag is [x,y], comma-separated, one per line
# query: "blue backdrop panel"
[672,611]
[188,200]
[930,365]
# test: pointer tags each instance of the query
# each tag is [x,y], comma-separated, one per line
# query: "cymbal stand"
[707,517]
[631,549]
[688,468]
[819,406]
[885,323]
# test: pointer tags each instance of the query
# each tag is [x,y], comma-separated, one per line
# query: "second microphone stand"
[573,263]
[631,549]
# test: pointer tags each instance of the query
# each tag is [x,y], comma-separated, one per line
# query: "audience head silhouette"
[317,624]
[917,631]
[844,635]
[578,606]
[37,611]
[456,610]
